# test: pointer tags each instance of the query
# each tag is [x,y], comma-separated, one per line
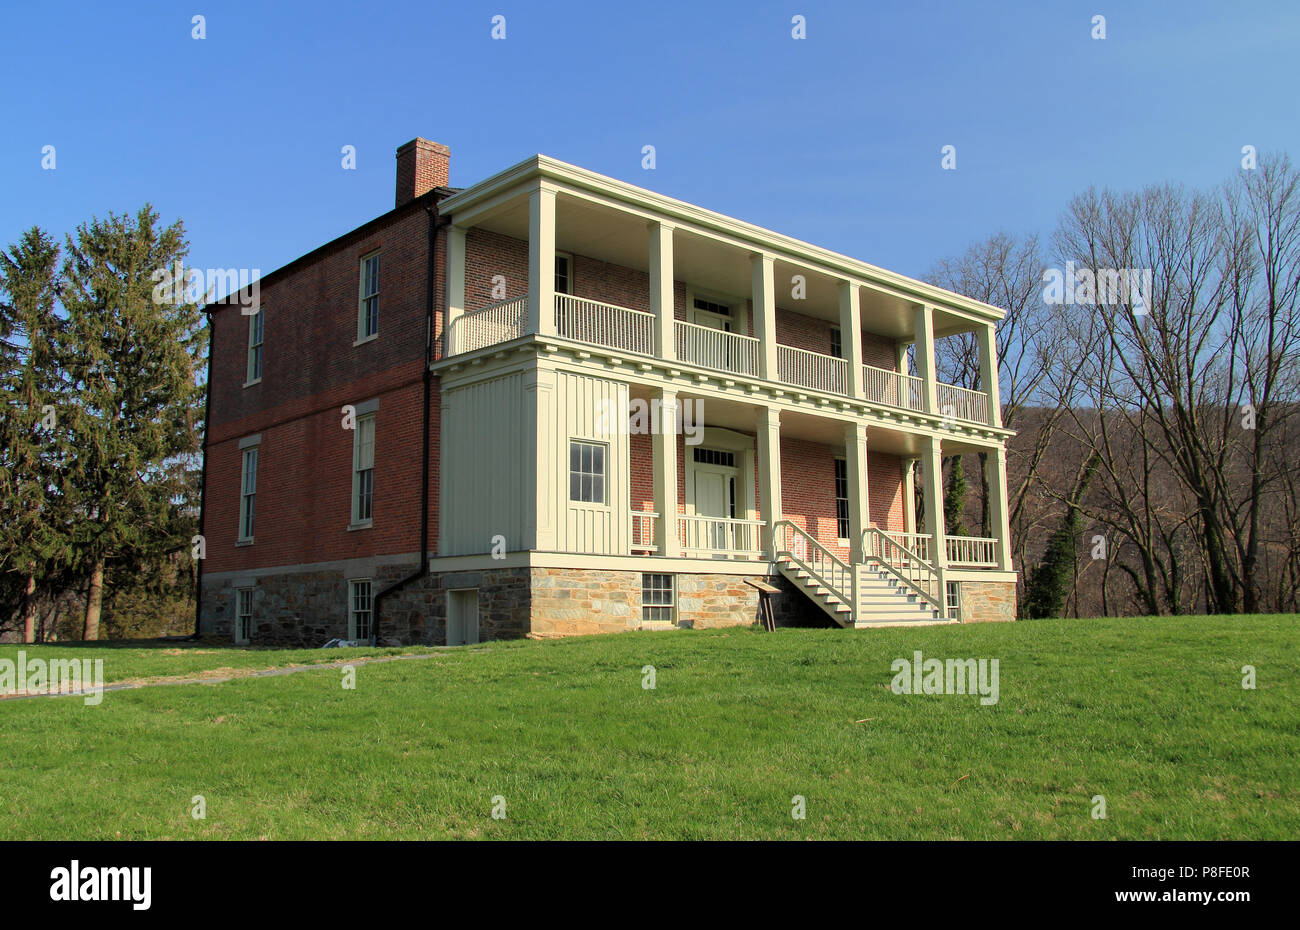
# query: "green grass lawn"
[1149,713]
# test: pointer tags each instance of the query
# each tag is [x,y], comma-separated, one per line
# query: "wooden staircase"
[860,595]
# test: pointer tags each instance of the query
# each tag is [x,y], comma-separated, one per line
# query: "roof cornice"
[764,240]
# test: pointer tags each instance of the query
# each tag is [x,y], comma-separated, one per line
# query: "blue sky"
[834,139]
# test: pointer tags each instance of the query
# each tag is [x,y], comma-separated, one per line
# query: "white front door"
[713,490]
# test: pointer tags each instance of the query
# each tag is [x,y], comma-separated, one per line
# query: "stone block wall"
[988,601]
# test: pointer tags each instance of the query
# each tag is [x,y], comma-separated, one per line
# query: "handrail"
[485,326]
[926,576]
[732,536]
[962,403]
[822,564]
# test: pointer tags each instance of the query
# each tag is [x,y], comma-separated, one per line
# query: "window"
[368,322]
[248,495]
[837,343]
[952,600]
[714,457]
[243,616]
[842,498]
[712,306]
[359,608]
[254,348]
[363,470]
[587,472]
[656,598]
[563,274]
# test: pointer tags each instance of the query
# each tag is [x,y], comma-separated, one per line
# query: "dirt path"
[219,675]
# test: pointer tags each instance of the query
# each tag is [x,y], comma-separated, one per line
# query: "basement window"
[359,609]
[243,616]
[657,601]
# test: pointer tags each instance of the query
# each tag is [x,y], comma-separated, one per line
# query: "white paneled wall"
[485,445]
[593,409]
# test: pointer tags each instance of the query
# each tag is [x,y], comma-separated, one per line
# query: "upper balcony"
[633,331]
[592,261]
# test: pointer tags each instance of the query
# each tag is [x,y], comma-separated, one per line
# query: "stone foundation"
[307,608]
[988,601]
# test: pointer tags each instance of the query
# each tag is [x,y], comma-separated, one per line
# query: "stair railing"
[822,565]
[898,560]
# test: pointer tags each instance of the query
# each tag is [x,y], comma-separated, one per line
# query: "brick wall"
[310,370]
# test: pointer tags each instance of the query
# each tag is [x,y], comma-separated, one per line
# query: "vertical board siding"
[579,402]
[484,448]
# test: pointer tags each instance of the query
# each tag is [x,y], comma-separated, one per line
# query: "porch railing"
[972,551]
[604,324]
[487,326]
[716,349]
[962,551]
[906,565]
[833,573]
[643,531]
[894,388]
[812,370]
[719,537]
[962,403]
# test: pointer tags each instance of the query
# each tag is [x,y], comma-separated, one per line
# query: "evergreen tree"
[34,546]
[1049,581]
[954,499]
[131,363]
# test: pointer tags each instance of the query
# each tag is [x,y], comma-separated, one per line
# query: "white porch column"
[923,322]
[541,261]
[540,468]
[855,467]
[851,336]
[900,357]
[932,475]
[769,473]
[909,495]
[764,297]
[999,508]
[665,476]
[661,288]
[455,286]
[989,372]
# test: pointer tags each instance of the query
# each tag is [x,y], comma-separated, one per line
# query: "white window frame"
[248,493]
[362,297]
[848,498]
[363,422]
[353,594]
[671,606]
[603,503]
[256,331]
[568,258]
[240,595]
[837,335]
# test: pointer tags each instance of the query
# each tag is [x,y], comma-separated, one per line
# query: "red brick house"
[556,403]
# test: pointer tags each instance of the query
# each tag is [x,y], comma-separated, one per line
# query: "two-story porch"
[812,421]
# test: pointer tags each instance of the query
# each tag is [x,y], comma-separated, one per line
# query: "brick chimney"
[421,166]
